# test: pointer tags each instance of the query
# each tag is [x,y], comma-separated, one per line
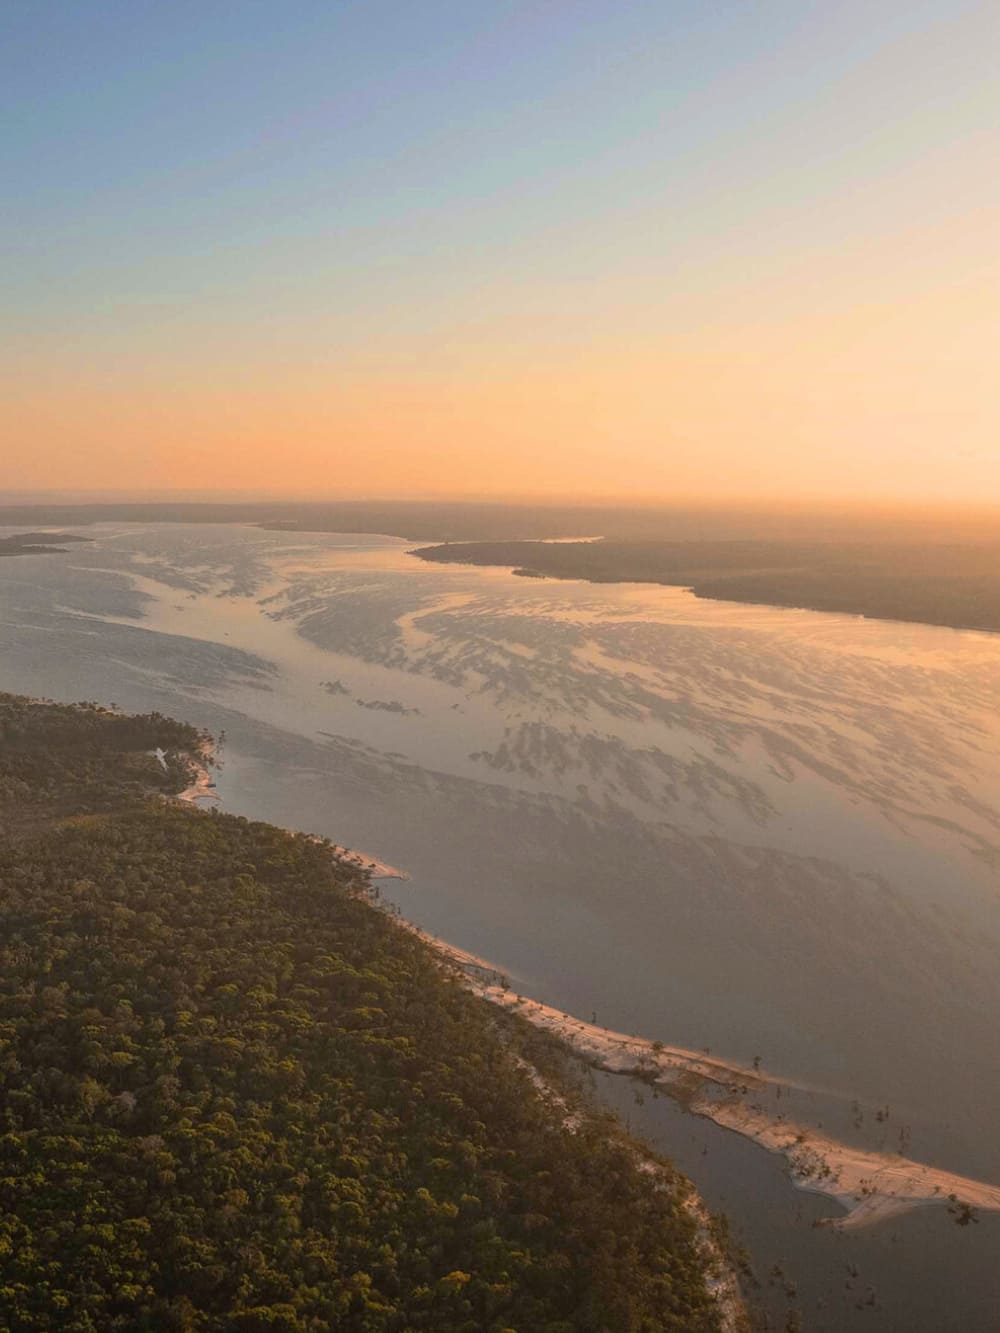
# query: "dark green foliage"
[235,1096]
[81,758]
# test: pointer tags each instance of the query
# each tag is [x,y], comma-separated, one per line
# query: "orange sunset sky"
[388,250]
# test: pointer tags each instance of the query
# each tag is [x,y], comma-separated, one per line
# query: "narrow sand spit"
[202,786]
[350,856]
[376,869]
[869,1185]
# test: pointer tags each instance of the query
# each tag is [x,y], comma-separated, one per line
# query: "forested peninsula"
[236,1096]
[951,584]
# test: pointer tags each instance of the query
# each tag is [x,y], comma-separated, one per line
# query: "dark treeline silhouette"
[949,584]
[439,521]
[36,543]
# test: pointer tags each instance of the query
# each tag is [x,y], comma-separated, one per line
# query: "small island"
[37,543]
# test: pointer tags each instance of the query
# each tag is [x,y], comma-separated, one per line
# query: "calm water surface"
[766,832]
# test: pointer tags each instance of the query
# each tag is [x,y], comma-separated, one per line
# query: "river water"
[773,834]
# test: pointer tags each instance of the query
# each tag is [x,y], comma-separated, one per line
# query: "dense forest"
[950,584]
[236,1096]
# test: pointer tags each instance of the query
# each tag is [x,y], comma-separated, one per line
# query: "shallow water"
[766,832]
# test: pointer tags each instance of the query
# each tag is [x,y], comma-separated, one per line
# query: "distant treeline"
[36,543]
[494,521]
[955,585]
[235,1096]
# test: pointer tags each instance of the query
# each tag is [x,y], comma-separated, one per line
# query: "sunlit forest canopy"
[236,1096]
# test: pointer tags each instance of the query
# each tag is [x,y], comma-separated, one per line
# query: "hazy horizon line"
[547,499]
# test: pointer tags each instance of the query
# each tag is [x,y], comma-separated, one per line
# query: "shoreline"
[203,788]
[721,1278]
[375,868]
[696,590]
[202,785]
[869,1185]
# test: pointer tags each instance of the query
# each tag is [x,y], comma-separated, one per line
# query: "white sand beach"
[376,869]
[870,1186]
[202,785]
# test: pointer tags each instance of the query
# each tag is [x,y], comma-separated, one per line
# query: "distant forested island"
[237,1096]
[936,568]
[36,543]
[949,584]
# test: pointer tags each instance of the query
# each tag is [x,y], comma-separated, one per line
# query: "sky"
[485,248]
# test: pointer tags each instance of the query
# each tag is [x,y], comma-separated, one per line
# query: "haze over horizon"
[453,250]
[500,666]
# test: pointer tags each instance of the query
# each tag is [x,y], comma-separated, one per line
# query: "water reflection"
[768,832]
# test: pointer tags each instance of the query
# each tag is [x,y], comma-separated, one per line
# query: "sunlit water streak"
[761,831]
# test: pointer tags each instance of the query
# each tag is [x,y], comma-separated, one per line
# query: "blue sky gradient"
[294,184]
